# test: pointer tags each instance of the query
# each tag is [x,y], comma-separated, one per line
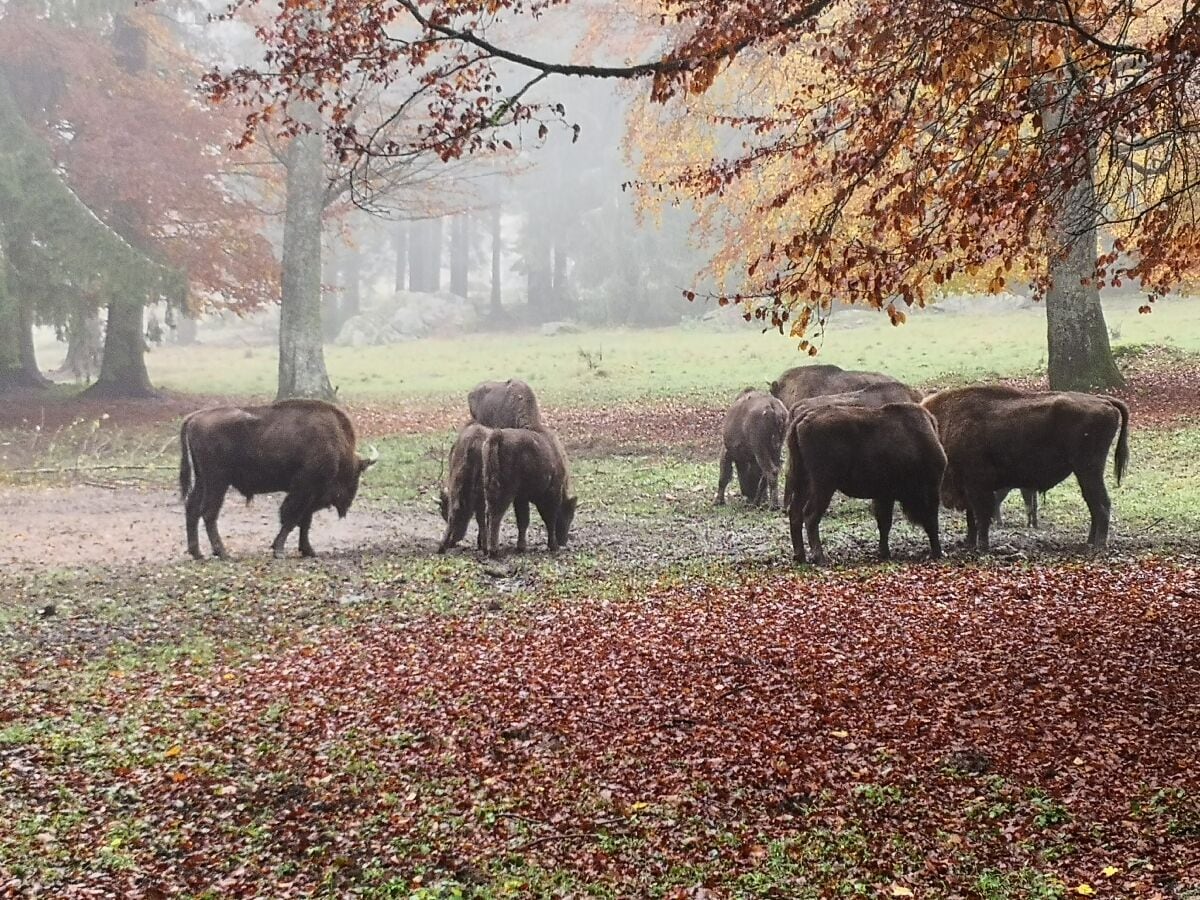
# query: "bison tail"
[186,463]
[490,471]
[1121,460]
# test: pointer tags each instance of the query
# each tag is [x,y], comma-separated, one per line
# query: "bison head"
[562,525]
[347,489]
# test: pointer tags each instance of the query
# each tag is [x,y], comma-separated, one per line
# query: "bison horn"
[373,453]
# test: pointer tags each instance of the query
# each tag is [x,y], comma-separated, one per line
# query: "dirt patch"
[81,525]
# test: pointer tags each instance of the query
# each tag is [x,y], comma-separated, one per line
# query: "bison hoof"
[278,553]
[310,553]
[196,554]
[720,501]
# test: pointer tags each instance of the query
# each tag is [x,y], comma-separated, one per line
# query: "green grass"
[670,362]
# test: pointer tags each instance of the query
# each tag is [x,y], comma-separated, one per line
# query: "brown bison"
[870,395]
[885,454]
[999,437]
[505,404]
[523,467]
[803,382]
[303,447]
[463,494]
[753,433]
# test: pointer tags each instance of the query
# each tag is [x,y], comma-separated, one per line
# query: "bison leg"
[291,513]
[192,508]
[725,477]
[1031,506]
[305,524]
[212,508]
[521,510]
[884,510]
[814,510]
[1095,495]
[998,511]
[497,505]
[924,512]
[549,514]
[796,523]
[980,505]
[769,485]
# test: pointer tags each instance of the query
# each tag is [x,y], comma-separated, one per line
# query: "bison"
[884,454]
[303,447]
[753,434]
[505,404]
[870,395]
[463,494]
[803,382]
[523,467]
[999,437]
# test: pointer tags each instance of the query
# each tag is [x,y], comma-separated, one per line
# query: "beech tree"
[930,138]
[129,153]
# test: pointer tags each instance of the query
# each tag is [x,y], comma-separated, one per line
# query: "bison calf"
[885,454]
[303,447]
[505,404]
[753,433]
[462,497]
[523,467]
[999,437]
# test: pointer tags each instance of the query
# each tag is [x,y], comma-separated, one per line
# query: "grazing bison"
[463,494]
[885,454]
[521,467]
[999,437]
[753,433]
[803,382]
[505,404]
[303,447]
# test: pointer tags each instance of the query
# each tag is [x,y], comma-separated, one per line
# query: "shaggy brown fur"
[304,447]
[999,437]
[886,454]
[872,395]
[462,496]
[753,434]
[523,467]
[505,404]
[803,382]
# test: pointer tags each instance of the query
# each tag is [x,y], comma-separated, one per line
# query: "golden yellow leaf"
[637,807]
[1109,871]
[899,890]
[1086,889]
[173,752]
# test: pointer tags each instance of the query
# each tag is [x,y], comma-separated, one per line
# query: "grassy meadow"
[667,709]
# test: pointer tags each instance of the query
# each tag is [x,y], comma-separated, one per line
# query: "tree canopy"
[921,140]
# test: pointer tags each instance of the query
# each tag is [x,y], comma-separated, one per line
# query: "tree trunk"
[123,369]
[302,370]
[540,280]
[460,254]
[497,249]
[11,371]
[400,246]
[1079,355]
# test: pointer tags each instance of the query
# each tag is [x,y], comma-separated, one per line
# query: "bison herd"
[869,436]
[863,434]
